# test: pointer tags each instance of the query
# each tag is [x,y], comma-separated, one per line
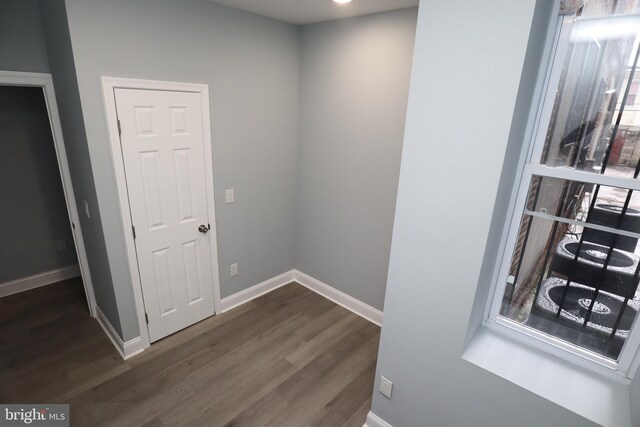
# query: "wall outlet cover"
[233,269]
[385,386]
[230,196]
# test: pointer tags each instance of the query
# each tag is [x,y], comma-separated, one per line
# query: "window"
[570,275]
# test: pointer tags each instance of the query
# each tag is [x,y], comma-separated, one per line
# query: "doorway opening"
[41,241]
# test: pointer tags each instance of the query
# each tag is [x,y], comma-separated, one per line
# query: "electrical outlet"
[86,209]
[385,386]
[61,245]
[230,196]
[233,269]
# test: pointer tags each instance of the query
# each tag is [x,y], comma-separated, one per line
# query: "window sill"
[607,402]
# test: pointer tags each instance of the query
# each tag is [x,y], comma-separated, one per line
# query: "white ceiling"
[303,12]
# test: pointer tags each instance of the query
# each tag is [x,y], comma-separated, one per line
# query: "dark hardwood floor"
[288,358]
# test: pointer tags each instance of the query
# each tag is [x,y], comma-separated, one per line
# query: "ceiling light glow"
[342,1]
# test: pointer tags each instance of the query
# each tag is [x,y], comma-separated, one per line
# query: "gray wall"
[476,57]
[251,65]
[22,45]
[353,89]
[33,213]
[68,99]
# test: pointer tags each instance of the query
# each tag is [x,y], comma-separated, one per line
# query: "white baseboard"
[126,349]
[358,307]
[350,303]
[257,290]
[373,315]
[37,280]
[375,421]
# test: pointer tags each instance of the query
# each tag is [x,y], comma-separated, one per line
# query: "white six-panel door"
[162,141]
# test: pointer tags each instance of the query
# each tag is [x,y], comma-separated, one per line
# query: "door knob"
[203,228]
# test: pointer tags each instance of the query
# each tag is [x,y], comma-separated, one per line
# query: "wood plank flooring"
[288,358]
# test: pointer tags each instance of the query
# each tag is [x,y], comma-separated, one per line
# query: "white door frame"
[45,81]
[109,84]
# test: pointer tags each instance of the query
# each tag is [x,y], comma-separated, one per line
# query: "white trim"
[375,421]
[634,364]
[499,285]
[125,349]
[553,33]
[548,81]
[363,310]
[37,280]
[630,355]
[544,79]
[255,291]
[373,315]
[109,84]
[555,347]
[211,206]
[587,393]
[559,50]
[584,224]
[572,174]
[45,81]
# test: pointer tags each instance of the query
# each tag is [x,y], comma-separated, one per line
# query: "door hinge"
[146,318]
[73,226]
[119,128]
[133,228]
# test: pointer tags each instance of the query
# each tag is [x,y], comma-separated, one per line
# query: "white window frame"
[625,368]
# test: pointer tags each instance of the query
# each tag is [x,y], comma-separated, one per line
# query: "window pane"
[595,125]
[612,207]
[589,300]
